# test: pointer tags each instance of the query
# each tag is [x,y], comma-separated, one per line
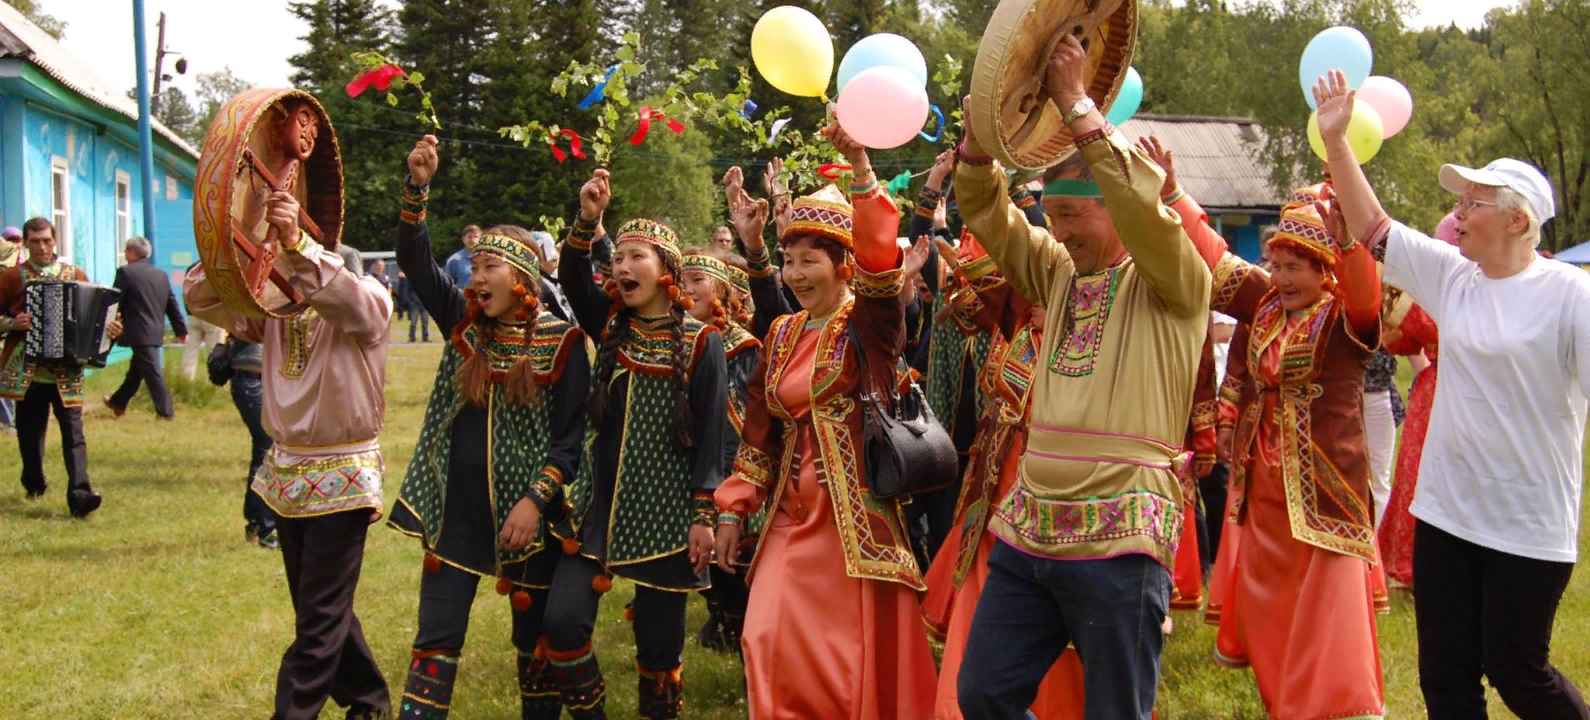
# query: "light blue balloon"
[1128,100]
[882,49]
[1338,48]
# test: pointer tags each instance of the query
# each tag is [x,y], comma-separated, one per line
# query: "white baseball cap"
[1515,175]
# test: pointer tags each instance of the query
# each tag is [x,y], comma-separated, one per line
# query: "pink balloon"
[1447,230]
[882,107]
[1391,100]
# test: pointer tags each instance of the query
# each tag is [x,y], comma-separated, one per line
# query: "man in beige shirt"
[1089,533]
[324,374]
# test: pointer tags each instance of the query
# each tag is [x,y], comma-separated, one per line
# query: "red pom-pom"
[602,583]
[470,293]
[685,303]
[665,282]
[629,612]
[844,272]
[571,546]
[521,315]
[504,586]
[611,288]
[521,601]
[432,563]
[519,291]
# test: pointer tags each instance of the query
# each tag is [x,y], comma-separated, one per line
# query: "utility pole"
[146,148]
[160,56]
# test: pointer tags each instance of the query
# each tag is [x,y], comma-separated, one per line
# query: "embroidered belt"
[1112,448]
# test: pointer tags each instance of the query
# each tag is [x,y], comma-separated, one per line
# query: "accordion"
[69,321]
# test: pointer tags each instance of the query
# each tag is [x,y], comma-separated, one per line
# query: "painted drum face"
[262,141]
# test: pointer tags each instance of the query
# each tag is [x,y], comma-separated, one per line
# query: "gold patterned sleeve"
[1031,259]
[1130,183]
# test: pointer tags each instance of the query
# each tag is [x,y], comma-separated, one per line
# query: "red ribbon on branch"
[574,145]
[832,171]
[646,116]
[381,77]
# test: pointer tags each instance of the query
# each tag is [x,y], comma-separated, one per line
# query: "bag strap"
[869,390]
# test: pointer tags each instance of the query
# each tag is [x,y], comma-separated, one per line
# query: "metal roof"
[21,39]
[1215,158]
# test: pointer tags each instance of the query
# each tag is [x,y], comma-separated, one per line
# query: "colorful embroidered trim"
[962,155]
[706,509]
[1174,197]
[1087,312]
[582,234]
[324,487]
[1052,524]
[739,279]
[822,216]
[414,199]
[753,466]
[759,262]
[886,284]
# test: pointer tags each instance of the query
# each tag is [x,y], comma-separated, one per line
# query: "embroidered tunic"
[637,493]
[1114,390]
[16,372]
[324,383]
[472,464]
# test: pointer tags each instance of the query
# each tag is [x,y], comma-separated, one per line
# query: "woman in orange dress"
[833,629]
[1298,590]
[1416,334]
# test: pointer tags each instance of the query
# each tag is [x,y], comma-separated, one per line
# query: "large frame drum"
[262,141]
[1013,121]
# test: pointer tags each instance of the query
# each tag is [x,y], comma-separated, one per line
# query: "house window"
[123,215]
[61,206]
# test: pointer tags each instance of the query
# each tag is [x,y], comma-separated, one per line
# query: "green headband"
[515,252]
[1071,187]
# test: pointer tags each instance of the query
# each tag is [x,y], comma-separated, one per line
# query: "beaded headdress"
[1301,229]
[710,266]
[519,253]
[653,233]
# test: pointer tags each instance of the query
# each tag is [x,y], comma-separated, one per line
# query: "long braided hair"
[617,331]
[475,375]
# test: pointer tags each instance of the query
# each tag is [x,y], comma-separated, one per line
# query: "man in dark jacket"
[145,295]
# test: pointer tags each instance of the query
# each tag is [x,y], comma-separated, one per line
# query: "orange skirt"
[1302,617]
[821,644]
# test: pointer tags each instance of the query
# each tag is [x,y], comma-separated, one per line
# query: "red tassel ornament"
[521,601]
[504,586]
[571,546]
[432,563]
[629,612]
[602,583]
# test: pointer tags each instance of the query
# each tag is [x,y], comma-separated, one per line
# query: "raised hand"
[1335,101]
[916,256]
[733,180]
[595,195]
[1161,155]
[423,161]
[943,165]
[281,211]
[773,179]
[849,147]
[949,255]
[1062,78]
[1330,212]
[749,218]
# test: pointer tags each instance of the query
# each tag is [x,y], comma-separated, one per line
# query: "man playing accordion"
[38,387]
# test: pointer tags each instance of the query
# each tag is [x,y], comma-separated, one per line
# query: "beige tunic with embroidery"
[1114,384]
[324,377]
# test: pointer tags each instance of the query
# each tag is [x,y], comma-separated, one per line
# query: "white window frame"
[123,202]
[61,212]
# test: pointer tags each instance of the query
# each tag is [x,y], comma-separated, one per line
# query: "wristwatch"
[1083,107]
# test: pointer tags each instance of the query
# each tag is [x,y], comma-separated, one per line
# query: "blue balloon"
[1338,48]
[882,49]
[1128,100]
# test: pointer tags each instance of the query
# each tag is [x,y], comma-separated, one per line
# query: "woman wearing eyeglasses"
[1499,487]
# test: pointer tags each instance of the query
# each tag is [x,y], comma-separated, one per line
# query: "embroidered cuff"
[858,188]
[414,200]
[886,284]
[753,466]
[303,241]
[544,490]
[970,159]
[582,234]
[730,518]
[706,509]
[978,268]
[1173,197]
[1093,136]
[759,263]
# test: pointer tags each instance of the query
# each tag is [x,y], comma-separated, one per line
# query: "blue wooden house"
[69,152]
[1217,164]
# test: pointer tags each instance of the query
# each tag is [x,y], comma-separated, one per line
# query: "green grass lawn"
[156,608]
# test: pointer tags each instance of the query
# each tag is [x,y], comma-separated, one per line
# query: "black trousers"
[145,367]
[571,615]
[328,657]
[1485,612]
[446,597]
[33,419]
[1212,490]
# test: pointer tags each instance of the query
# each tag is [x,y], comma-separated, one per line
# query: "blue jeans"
[1032,607]
[248,394]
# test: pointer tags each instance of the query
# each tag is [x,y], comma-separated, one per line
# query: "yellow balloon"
[792,49]
[1365,133]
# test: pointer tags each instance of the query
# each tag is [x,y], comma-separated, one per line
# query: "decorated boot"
[429,690]
[662,693]
[538,692]
[579,682]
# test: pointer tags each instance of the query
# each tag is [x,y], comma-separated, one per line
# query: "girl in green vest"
[500,439]
[642,501]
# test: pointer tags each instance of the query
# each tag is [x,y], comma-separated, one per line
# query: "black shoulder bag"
[904,452]
[219,363]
